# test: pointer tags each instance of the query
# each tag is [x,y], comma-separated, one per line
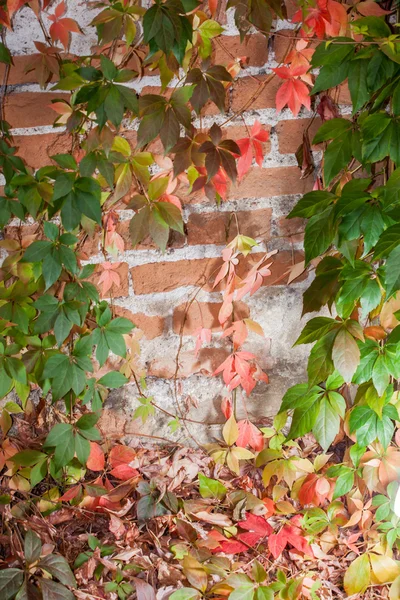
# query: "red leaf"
[249,435]
[250,145]
[124,472]
[14,5]
[256,524]
[71,493]
[294,93]
[213,5]
[4,18]
[369,8]
[294,537]
[96,458]
[226,407]
[121,455]
[277,543]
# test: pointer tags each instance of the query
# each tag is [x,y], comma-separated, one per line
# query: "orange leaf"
[121,455]
[96,458]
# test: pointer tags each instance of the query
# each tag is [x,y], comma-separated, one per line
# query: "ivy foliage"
[352,239]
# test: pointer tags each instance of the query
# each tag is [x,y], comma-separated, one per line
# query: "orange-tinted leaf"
[121,455]
[96,458]
[124,472]
[249,435]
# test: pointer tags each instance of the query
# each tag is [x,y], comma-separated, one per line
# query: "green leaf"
[58,567]
[344,483]
[27,458]
[337,156]
[10,582]
[87,421]
[211,488]
[392,272]
[37,251]
[294,396]
[185,594]
[305,416]
[358,83]
[319,234]
[320,364]
[51,590]
[311,204]
[331,130]
[330,76]
[327,424]
[82,449]
[113,380]
[388,241]
[66,161]
[32,547]
[345,354]
[315,329]
[5,56]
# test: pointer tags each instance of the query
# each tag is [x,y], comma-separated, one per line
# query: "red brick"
[30,109]
[121,291]
[152,327]
[290,133]
[265,87]
[203,314]
[220,227]
[36,150]
[17,73]
[293,229]
[90,246]
[282,43]
[167,276]
[205,363]
[229,47]
[343,94]
[262,183]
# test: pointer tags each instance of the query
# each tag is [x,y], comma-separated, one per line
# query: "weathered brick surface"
[152,327]
[37,149]
[169,275]
[153,287]
[290,133]
[254,48]
[203,314]
[221,227]
[29,109]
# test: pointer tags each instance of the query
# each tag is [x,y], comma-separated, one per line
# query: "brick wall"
[154,286]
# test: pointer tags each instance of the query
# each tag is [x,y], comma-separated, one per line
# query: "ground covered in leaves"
[154,522]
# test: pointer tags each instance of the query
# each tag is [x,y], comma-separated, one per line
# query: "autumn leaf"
[96,460]
[293,92]
[358,576]
[251,146]
[62,26]
[14,5]
[249,435]
[109,276]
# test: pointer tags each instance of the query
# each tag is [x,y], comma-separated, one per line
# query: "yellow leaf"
[384,568]
[121,145]
[387,318]
[358,576]
[242,453]
[195,573]
[394,593]
[230,431]
[254,326]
